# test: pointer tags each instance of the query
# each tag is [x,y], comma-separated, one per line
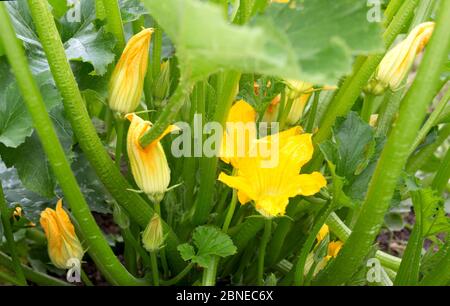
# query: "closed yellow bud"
[333,249]
[398,61]
[153,235]
[296,111]
[296,88]
[148,165]
[63,243]
[323,232]
[127,80]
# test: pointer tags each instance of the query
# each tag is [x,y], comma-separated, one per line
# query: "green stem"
[5,277]
[345,99]
[209,274]
[408,273]
[262,250]
[432,120]
[313,112]
[4,214]
[421,158]
[114,23]
[307,246]
[230,212]
[100,11]
[179,276]
[388,110]
[129,252]
[442,176]
[208,165]
[32,275]
[84,130]
[156,51]
[155,270]
[99,249]
[128,237]
[169,112]
[367,108]
[119,141]
[86,279]
[394,155]
[391,10]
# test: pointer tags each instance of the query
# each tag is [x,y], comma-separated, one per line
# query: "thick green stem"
[388,111]
[442,176]
[391,10]
[343,232]
[156,51]
[345,99]
[4,214]
[114,23]
[262,250]
[421,158]
[307,246]
[100,11]
[394,155]
[367,108]
[155,270]
[408,273]
[90,143]
[209,274]
[208,165]
[98,247]
[432,120]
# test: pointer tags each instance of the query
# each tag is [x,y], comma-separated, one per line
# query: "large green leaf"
[84,40]
[30,160]
[315,41]
[131,10]
[430,214]
[210,241]
[15,122]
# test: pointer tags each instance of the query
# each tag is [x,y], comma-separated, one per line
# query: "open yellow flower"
[398,61]
[63,243]
[148,165]
[127,80]
[269,181]
[240,132]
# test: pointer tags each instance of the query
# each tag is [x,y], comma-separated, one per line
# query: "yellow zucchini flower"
[398,61]
[148,165]
[63,243]
[127,80]
[271,187]
[240,132]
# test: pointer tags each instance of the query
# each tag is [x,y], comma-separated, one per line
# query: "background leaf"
[277,44]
